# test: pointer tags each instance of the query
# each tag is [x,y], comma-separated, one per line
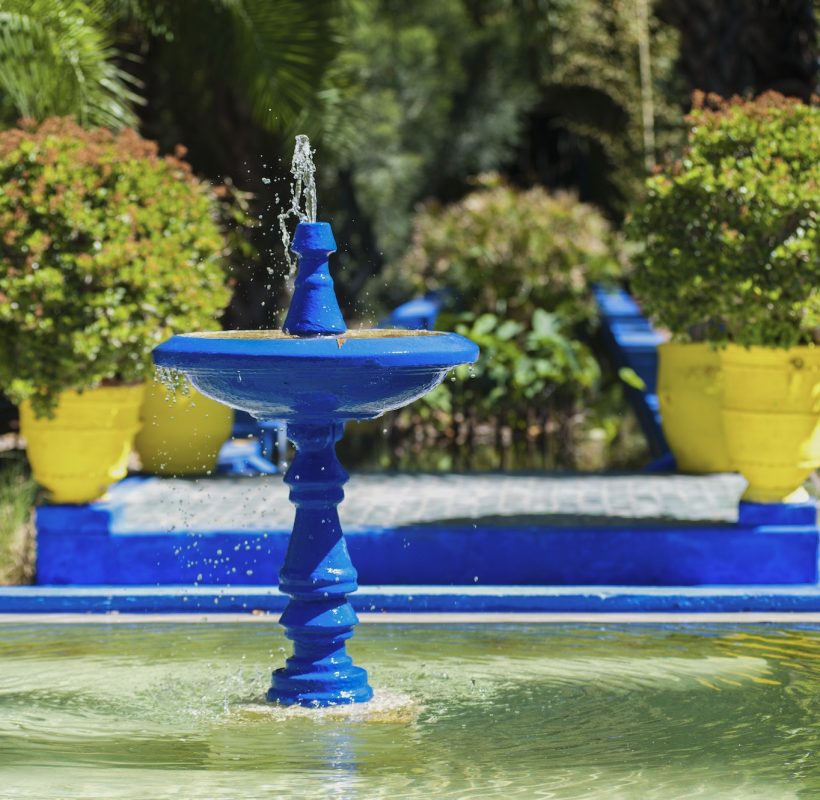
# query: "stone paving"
[389,501]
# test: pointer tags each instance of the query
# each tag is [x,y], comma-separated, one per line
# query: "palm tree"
[83,58]
[57,58]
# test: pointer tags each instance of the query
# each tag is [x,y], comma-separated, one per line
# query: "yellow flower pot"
[182,431]
[690,388]
[771,417]
[84,449]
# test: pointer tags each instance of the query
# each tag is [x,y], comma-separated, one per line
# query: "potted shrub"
[106,249]
[731,259]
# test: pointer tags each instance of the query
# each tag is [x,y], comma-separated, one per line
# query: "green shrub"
[730,232]
[516,267]
[505,251]
[106,249]
[519,365]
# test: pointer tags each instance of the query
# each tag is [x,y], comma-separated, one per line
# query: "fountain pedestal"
[318,575]
[316,375]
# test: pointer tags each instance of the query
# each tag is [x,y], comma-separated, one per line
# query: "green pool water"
[510,711]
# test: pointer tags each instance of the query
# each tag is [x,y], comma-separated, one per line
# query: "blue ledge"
[632,343]
[426,599]
[771,545]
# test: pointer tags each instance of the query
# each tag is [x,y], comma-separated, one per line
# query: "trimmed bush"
[730,232]
[505,251]
[106,250]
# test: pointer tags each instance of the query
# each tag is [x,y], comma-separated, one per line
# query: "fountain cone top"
[315,370]
[314,309]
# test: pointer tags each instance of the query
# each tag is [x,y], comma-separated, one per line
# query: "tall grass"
[17,495]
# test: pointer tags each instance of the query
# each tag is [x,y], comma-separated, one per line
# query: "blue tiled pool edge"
[420,599]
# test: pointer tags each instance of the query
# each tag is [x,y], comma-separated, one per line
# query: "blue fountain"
[316,375]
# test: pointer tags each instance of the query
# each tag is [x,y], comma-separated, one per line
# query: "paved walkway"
[396,500]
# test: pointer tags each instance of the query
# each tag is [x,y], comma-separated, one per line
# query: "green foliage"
[521,264]
[268,54]
[106,249]
[17,495]
[585,56]
[520,365]
[421,96]
[425,95]
[56,58]
[731,246]
[507,251]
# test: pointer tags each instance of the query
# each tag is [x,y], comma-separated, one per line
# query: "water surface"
[541,711]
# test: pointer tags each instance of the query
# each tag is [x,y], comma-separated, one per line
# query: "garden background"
[489,150]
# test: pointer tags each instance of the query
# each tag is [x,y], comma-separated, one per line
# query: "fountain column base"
[318,575]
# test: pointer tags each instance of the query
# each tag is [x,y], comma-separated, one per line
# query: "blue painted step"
[769,545]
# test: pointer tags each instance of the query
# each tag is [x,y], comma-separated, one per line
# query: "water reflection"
[493,711]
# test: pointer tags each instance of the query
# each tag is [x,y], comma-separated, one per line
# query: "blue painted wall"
[75,546]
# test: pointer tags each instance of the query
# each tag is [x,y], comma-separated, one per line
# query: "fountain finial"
[314,309]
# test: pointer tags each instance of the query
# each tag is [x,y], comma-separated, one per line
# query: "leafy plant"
[730,232]
[269,55]
[519,364]
[519,264]
[599,103]
[106,249]
[17,495]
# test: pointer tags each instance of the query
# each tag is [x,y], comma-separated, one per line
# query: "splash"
[302,195]
[173,382]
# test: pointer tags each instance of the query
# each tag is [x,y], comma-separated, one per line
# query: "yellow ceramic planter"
[182,432]
[84,449]
[690,389]
[771,417]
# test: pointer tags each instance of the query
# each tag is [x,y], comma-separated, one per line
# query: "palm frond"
[56,59]
[281,50]
[271,53]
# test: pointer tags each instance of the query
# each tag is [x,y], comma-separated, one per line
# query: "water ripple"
[559,712]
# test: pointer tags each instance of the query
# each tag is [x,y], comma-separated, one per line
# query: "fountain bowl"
[359,374]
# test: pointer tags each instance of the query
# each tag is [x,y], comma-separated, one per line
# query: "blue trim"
[774,515]
[632,343]
[244,457]
[420,313]
[212,351]
[378,599]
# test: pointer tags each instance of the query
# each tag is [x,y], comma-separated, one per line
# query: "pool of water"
[174,710]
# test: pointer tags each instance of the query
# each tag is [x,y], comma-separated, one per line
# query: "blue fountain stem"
[318,575]
[314,309]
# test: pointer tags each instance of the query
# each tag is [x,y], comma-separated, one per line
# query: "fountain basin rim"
[216,351]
